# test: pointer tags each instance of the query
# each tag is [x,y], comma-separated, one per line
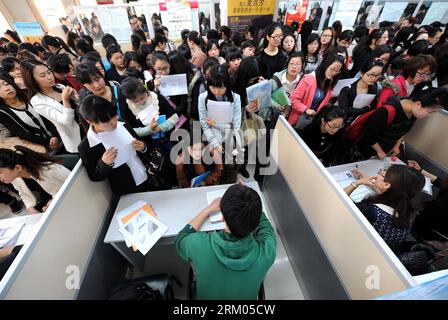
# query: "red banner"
[296,11]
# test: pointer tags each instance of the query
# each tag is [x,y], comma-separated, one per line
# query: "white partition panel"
[364,263]
[53,262]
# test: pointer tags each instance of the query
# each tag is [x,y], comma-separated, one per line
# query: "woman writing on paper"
[393,209]
[218,90]
[30,171]
[198,159]
[366,85]
[315,89]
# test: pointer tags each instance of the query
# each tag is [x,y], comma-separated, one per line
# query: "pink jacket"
[302,97]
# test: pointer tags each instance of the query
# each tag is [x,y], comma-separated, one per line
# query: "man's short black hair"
[8,63]
[132,87]
[86,71]
[97,109]
[59,63]
[241,207]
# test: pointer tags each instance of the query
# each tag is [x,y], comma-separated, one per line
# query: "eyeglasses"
[425,75]
[294,64]
[280,36]
[373,76]
[335,127]
[336,71]
[326,36]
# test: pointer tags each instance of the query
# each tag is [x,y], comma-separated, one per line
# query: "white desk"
[175,208]
[30,220]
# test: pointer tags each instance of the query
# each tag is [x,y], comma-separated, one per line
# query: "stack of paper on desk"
[139,227]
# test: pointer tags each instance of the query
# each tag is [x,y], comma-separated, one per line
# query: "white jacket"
[62,118]
[51,180]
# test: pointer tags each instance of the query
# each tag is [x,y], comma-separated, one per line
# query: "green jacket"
[227,267]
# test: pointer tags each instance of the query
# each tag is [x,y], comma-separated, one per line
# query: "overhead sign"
[296,11]
[242,13]
[176,16]
[29,31]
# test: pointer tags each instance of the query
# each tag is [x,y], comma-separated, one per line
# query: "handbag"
[253,129]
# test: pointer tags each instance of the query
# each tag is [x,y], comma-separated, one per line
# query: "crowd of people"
[58,97]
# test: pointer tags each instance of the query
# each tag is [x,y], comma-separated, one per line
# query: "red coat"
[302,97]
[387,92]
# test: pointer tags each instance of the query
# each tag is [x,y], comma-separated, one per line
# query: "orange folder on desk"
[147,208]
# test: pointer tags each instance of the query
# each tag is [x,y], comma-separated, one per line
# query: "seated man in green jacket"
[231,263]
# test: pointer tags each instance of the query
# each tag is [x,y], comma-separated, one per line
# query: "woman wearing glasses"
[323,134]
[326,40]
[416,70]
[272,59]
[393,208]
[315,89]
[368,84]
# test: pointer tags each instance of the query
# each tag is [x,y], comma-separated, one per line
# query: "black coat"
[20,129]
[121,180]
[348,96]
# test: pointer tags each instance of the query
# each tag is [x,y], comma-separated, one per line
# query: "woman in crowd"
[272,59]
[324,135]
[383,134]
[367,84]
[191,163]
[289,44]
[315,89]
[288,80]
[54,102]
[416,70]
[311,53]
[218,89]
[364,49]
[56,45]
[20,118]
[195,42]
[26,169]
[213,50]
[93,80]
[326,41]
[12,66]
[115,57]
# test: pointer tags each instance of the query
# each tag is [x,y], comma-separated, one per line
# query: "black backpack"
[135,291]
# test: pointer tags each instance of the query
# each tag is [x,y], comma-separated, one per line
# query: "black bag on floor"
[154,287]
[135,291]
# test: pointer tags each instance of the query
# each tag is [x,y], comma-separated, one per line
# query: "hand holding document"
[148,114]
[121,139]
[173,85]
[220,111]
[260,92]
[342,83]
[140,227]
[363,100]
